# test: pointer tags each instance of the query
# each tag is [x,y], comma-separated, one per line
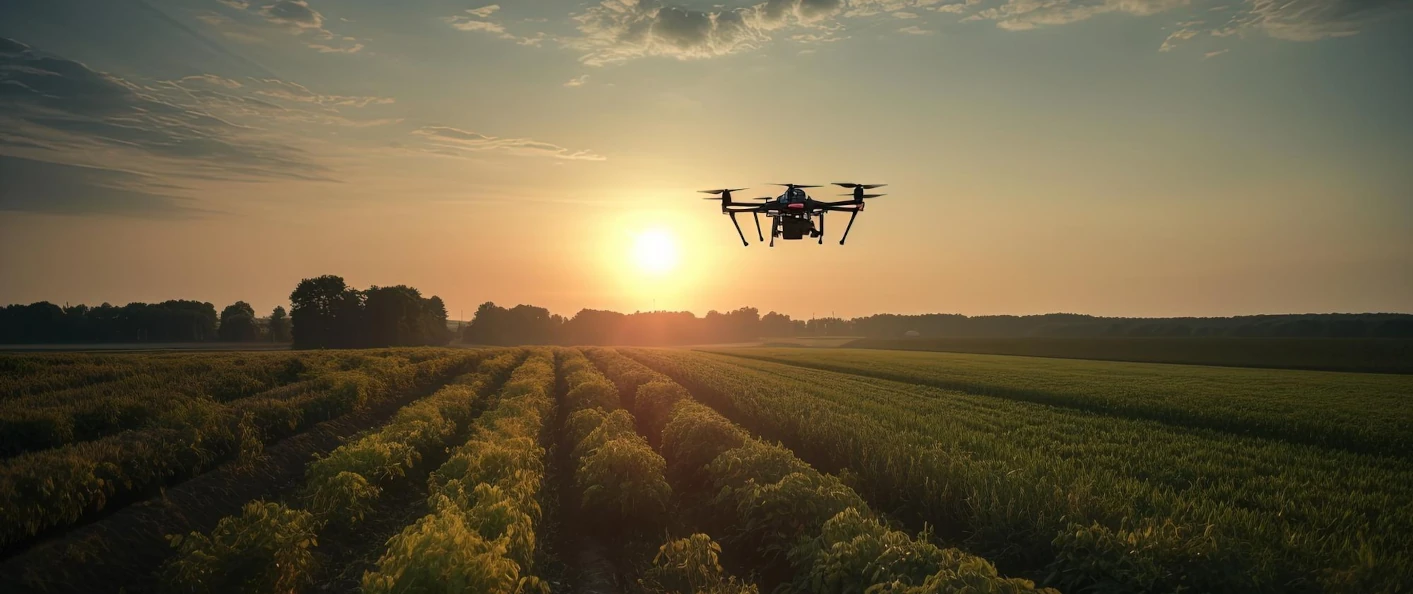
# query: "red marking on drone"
[797,205]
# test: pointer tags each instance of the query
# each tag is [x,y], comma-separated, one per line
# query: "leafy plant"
[264,549]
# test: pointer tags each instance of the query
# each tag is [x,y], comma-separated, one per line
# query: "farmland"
[730,470]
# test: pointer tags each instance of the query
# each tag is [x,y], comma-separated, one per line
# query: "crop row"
[806,530]
[51,419]
[618,478]
[1091,501]
[1351,411]
[339,488]
[26,374]
[480,536]
[58,487]
[683,565]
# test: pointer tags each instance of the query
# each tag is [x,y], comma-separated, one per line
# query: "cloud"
[270,101]
[904,15]
[484,11]
[291,91]
[456,142]
[293,16]
[1213,54]
[31,185]
[294,13]
[914,30]
[474,20]
[1022,15]
[619,30]
[1175,38]
[1313,20]
[67,107]
[577,81]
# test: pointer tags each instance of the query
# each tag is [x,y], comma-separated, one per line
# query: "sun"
[655,251]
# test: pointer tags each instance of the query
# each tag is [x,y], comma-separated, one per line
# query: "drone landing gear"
[774,230]
[758,233]
[738,229]
[847,228]
[821,228]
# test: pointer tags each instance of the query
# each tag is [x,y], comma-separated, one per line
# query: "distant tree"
[776,325]
[394,316]
[314,304]
[279,325]
[238,323]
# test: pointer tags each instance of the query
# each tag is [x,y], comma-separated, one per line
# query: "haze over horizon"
[1145,158]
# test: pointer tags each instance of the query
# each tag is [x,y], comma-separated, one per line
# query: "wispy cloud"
[1213,54]
[1313,20]
[296,17]
[577,81]
[456,142]
[478,20]
[32,185]
[914,30]
[65,107]
[1175,38]
[1023,15]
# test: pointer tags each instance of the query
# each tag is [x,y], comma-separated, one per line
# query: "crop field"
[727,470]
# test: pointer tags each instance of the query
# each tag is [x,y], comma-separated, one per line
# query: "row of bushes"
[618,478]
[807,530]
[344,485]
[480,536]
[59,487]
[636,473]
[137,398]
[267,545]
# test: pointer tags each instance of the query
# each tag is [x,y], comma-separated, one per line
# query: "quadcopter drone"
[792,213]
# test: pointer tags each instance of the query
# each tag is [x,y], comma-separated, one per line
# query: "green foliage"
[60,486]
[591,391]
[856,553]
[797,522]
[621,480]
[442,552]
[618,476]
[480,536]
[655,402]
[693,437]
[264,549]
[691,566]
[617,424]
[1100,502]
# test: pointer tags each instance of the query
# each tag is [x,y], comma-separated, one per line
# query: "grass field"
[728,470]
[1376,355]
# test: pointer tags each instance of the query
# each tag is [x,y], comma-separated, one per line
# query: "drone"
[793,212]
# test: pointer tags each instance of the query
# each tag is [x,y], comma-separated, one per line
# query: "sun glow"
[655,251]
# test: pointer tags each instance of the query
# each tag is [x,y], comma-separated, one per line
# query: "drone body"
[792,213]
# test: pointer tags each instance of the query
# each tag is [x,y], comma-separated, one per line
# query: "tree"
[314,305]
[238,323]
[279,325]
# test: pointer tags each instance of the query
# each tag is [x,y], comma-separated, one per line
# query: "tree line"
[327,313]
[527,324]
[177,320]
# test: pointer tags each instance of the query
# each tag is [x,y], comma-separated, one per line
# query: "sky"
[1111,157]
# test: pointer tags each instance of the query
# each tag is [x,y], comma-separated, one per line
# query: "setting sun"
[655,251]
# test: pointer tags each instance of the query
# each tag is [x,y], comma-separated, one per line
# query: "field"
[1376,355]
[725,470]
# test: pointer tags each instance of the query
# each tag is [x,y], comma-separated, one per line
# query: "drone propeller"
[853,185]
[795,186]
[721,191]
[864,195]
[763,198]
